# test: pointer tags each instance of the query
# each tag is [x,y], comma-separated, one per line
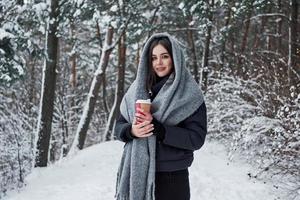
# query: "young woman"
[159,144]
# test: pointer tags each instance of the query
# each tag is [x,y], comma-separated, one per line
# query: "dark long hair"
[165,42]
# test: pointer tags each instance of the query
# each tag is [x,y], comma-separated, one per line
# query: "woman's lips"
[161,69]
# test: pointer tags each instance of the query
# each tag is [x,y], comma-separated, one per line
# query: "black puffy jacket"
[175,144]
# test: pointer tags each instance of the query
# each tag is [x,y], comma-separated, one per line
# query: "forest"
[66,64]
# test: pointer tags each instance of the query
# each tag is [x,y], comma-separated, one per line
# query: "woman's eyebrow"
[162,54]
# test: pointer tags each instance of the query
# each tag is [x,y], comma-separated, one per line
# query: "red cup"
[143,104]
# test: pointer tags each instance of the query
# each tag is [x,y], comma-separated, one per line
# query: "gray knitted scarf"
[179,97]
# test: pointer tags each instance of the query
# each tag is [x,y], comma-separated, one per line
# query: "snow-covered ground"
[91,175]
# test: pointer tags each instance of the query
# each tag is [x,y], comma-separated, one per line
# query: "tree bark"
[191,42]
[292,69]
[119,89]
[73,70]
[72,59]
[269,38]
[206,49]
[105,106]
[223,48]
[262,31]
[245,38]
[246,32]
[279,29]
[48,89]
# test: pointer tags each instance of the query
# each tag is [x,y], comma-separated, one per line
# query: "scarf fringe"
[126,197]
[119,197]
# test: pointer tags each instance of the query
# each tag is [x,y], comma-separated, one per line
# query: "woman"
[159,145]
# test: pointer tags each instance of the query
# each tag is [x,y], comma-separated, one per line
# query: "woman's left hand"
[142,116]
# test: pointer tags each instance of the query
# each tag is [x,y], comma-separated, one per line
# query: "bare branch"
[269,15]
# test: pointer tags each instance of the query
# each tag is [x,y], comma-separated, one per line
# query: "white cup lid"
[148,101]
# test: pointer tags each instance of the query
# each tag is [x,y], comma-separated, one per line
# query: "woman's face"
[161,61]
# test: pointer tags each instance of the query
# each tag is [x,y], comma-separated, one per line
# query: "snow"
[79,2]
[181,5]
[114,8]
[5,77]
[5,34]
[192,23]
[40,8]
[193,8]
[91,173]
[77,13]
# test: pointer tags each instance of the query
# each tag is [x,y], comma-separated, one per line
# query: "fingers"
[143,129]
[142,124]
[143,116]
[146,129]
[140,116]
[141,111]
[146,135]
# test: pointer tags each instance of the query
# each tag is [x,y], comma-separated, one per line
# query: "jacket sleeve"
[190,133]
[123,130]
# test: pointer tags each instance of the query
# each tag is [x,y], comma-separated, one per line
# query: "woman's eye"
[154,58]
[165,57]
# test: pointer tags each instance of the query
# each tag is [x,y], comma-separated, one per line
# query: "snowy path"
[90,175]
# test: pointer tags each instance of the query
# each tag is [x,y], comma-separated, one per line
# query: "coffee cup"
[143,104]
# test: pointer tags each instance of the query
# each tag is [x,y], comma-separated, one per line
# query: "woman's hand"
[142,116]
[142,130]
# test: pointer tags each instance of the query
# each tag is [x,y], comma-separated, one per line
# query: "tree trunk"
[48,89]
[105,106]
[32,100]
[245,36]
[73,80]
[65,131]
[119,89]
[99,34]
[206,49]
[32,91]
[279,29]
[73,56]
[225,36]
[292,69]
[191,42]
[62,91]
[258,40]
[93,94]
[245,39]
[268,32]
[20,161]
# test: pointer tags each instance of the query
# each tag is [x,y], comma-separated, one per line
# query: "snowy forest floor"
[91,175]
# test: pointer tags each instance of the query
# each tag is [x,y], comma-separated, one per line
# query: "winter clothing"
[178,97]
[172,185]
[175,144]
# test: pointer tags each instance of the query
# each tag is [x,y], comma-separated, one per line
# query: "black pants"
[172,185]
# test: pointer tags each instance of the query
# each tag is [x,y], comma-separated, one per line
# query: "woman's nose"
[159,61]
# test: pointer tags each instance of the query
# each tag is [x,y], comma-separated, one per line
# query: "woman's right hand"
[142,130]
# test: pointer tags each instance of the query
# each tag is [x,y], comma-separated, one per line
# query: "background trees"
[245,55]
[48,87]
